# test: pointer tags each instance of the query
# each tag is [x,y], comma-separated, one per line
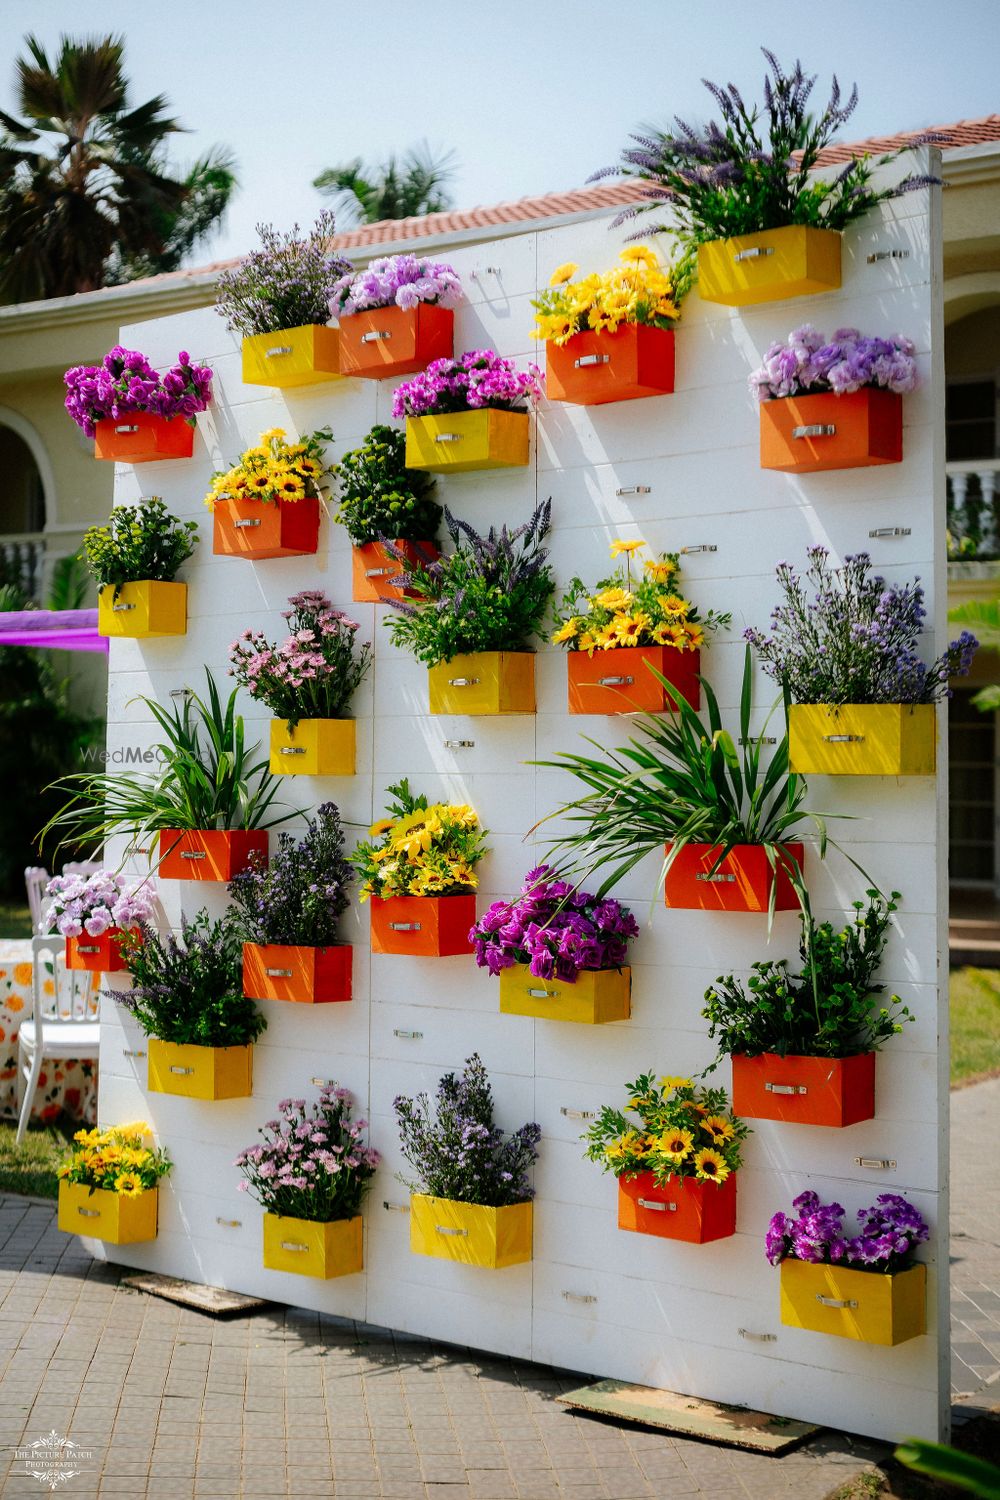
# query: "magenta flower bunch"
[809,363]
[315,670]
[93,904]
[554,928]
[395,281]
[125,382]
[888,1234]
[477,379]
[313,1163]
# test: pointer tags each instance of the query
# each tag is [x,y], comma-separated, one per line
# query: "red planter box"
[427,926]
[741,883]
[143,438]
[591,369]
[101,955]
[805,434]
[309,976]
[371,566]
[277,528]
[208,853]
[395,340]
[619,682]
[684,1210]
[805,1090]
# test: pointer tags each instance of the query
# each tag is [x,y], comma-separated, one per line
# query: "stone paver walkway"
[168,1402]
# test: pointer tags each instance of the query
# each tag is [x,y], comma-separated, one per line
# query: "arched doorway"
[22,510]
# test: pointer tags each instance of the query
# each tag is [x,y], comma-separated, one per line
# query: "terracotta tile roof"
[962,133]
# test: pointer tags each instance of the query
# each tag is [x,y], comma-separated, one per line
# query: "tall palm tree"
[394,189]
[85,192]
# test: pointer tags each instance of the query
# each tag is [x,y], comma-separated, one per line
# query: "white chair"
[60,1025]
[35,881]
[82,867]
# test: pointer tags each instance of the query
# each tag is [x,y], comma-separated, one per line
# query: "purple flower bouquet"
[395,281]
[125,382]
[481,378]
[889,1233]
[94,904]
[555,928]
[806,363]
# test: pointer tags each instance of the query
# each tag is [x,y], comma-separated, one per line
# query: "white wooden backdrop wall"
[594,1299]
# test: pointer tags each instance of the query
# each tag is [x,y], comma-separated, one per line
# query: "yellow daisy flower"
[668,1081]
[563,273]
[710,1166]
[617,548]
[675,1143]
[567,632]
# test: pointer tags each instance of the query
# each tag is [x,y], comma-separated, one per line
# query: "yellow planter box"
[864,1305]
[200,1072]
[770,266]
[315,747]
[103,1215]
[142,609]
[862,739]
[470,1232]
[598,995]
[464,440]
[484,682]
[292,356]
[310,1249]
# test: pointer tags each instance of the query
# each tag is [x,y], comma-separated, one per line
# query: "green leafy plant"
[421,848]
[143,541]
[829,1009]
[976,1475]
[380,497]
[491,594]
[682,1131]
[207,778]
[189,990]
[684,782]
[752,171]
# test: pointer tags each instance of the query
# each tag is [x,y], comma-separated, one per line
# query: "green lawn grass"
[15,920]
[31,1167]
[975,1024]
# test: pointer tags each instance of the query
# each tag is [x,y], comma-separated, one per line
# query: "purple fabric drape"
[52,629]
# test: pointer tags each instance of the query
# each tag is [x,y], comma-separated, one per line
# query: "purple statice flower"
[297,897]
[890,1232]
[126,382]
[556,929]
[855,640]
[395,281]
[285,284]
[480,378]
[806,363]
[95,903]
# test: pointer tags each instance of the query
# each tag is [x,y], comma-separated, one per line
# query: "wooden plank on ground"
[736,1426]
[214,1300]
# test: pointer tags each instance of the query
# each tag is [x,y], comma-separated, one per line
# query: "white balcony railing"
[22,559]
[973,493]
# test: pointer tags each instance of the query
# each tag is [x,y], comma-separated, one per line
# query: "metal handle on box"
[193,854]
[293,1245]
[717,879]
[444,1229]
[447,437]
[128,1052]
[544,994]
[240,524]
[878,255]
[120,609]
[591,359]
[756,252]
[462,681]
[578,1114]
[758,1338]
[323,1083]
[843,739]
[615,681]
[660,1208]
[785,1088]
[635,489]
[815,429]
[579,1297]
[759,739]
[875,1163]
[404,926]
[459,744]
[376,336]
[293,750]
[884,531]
[836,1301]
[378,572]
[88,947]
[185,1072]
[704,547]
[181,693]
[395,1208]
[89,1213]
[229,1223]
[278,973]
[128,427]
[409,1036]
[278,349]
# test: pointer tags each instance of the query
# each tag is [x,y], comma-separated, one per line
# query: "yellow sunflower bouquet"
[637,290]
[117,1160]
[420,849]
[275,470]
[647,609]
[681,1131]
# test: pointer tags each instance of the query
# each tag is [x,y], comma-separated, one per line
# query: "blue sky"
[532,95]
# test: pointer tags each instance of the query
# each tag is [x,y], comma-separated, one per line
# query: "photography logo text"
[53,1460]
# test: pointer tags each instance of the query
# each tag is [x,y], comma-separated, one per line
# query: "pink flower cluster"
[477,379]
[93,904]
[395,281]
[848,362]
[314,671]
[312,1165]
[126,382]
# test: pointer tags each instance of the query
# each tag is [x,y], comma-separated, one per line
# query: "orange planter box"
[741,883]
[833,1091]
[426,926]
[591,369]
[372,566]
[208,853]
[253,528]
[395,340]
[143,438]
[685,1209]
[101,955]
[805,434]
[306,976]
[619,682]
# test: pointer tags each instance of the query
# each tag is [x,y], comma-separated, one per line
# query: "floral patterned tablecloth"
[65,1084]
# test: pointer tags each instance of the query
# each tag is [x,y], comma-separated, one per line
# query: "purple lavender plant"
[287,283]
[555,928]
[299,895]
[458,1151]
[480,378]
[807,362]
[856,640]
[126,382]
[395,281]
[891,1229]
[313,1163]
